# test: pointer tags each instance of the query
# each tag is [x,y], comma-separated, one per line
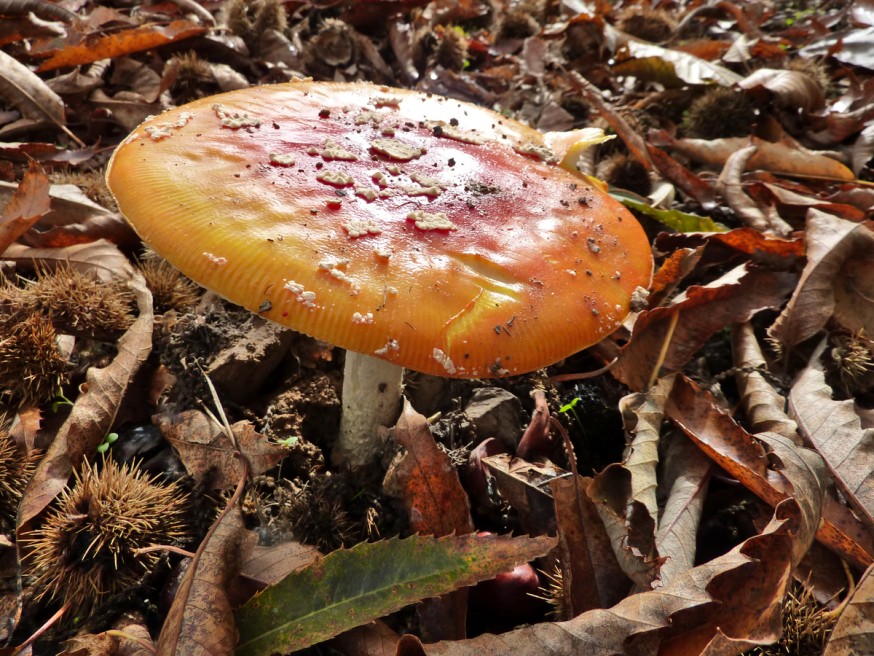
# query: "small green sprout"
[107,442]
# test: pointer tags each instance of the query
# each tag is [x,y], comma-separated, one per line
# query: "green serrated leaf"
[350,587]
[674,219]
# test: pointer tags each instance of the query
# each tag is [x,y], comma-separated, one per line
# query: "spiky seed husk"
[80,304]
[32,369]
[171,290]
[452,50]
[15,472]
[334,44]
[626,172]
[655,25]
[720,112]
[193,77]
[249,20]
[86,549]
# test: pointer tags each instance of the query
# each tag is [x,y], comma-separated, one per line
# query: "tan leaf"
[694,317]
[23,89]
[854,632]
[100,257]
[29,202]
[777,158]
[591,576]
[267,565]
[208,453]
[686,475]
[201,621]
[763,407]
[832,244]
[93,412]
[836,432]
[793,89]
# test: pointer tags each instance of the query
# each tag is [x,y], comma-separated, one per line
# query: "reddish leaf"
[735,297]
[29,202]
[124,42]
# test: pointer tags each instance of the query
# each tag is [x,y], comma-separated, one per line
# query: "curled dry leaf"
[747,210]
[102,258]
[686,475]
[694,317]
[723,245]
[201,620]
[93,412]
[854,632]
[833,248]
[792,89]
[208,453]
[764,408]
[688,68]
[777,158]
[24,90]
[27,205]
[836,432]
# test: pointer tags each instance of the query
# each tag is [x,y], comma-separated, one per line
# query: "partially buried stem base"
[371,392]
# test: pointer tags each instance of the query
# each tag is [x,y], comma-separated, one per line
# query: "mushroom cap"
[426,231]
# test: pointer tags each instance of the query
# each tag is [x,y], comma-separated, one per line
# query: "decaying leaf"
[835,431]
[208,453]
[693,317]
[854,632]
[832,246]
[29,202]
[22,88]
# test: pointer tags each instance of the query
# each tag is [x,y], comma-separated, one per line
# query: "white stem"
[371,392]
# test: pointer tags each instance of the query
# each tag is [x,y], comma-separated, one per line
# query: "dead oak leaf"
[29,202]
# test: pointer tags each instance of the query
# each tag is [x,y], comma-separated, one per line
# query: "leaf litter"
[718,466]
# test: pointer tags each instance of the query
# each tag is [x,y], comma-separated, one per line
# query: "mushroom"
[410,229]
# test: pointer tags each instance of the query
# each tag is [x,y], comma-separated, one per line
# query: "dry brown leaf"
[774,157]
[642,415]
[29,202]
[793,89]
[201,621]
[835,430]
[679,264]
[686,475]
[267,565]
[373,639]
[23,89]
[854,633]
[436,504]
[628,524]
[722,245]
[93,412]
[102,258]
[832,244]
[208,453]
[591,576]
[763,407]
[698,314]
[523,485]
[723,606]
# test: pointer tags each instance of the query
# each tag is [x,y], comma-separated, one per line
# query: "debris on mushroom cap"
[449,244]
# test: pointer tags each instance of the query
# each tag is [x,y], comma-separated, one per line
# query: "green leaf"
[351,587]
[674,219]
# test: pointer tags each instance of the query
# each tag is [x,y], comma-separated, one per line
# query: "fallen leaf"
[793,89]
[23,89]
[525,487]
[102,258]
[774,157]
[725,605]
[835,430]
[207,452]
[591,575]
[831,244]
[722,245]
[92,414]
[201,620]
[686,473]
[123,42]
[27,205]
[353,586]
[697,314]
[854,633]
[686,68]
